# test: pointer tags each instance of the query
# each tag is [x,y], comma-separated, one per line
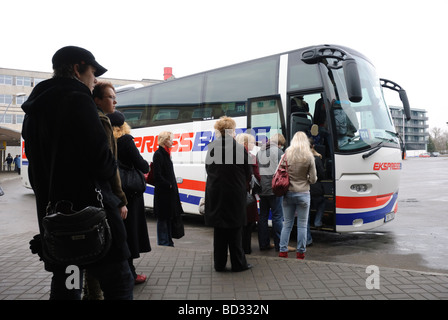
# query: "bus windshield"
[366,124]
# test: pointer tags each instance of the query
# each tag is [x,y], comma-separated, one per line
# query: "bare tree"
[439,139]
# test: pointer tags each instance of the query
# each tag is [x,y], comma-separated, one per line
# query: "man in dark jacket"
[68,150]
[228,171]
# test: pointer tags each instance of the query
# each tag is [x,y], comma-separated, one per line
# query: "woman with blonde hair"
[129,157]
[302,173]
[166,194]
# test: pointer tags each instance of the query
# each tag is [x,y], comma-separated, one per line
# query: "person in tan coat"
[302,173]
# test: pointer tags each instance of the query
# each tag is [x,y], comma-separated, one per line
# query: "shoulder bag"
[132,179]
[280,180]
[177,227]
[177,223]
[75,237]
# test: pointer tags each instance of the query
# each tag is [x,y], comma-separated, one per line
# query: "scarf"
[167,150]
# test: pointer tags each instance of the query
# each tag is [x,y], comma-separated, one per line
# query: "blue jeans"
[274,204]
[318,203]
[164,233]
[295,202]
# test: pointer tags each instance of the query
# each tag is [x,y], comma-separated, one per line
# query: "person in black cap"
[64,136]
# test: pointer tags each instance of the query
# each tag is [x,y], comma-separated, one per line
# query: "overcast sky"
[136,39]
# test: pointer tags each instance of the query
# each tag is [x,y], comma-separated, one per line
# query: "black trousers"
[228,239]
[247,237]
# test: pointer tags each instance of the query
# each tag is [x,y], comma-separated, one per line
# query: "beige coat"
[301,174]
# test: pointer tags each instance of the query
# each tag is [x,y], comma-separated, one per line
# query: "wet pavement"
[409,253]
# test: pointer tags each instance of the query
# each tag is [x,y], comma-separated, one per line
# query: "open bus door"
[265,118]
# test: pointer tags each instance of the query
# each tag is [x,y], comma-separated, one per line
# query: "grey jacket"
[268,158]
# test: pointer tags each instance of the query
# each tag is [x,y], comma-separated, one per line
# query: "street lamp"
[20,94]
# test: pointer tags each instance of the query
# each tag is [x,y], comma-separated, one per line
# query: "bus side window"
[202,113]
[166,114]
[185,116]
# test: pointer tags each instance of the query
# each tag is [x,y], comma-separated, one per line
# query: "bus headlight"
[359,187]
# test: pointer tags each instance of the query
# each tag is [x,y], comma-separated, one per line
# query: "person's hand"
[124,212]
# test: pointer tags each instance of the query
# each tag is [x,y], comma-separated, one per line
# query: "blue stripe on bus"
[346,219]
[187,198]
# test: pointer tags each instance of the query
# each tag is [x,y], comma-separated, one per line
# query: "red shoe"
[140,279]
[300,255]
[283,254]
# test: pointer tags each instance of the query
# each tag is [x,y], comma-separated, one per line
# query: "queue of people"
[229,187]
[77,109]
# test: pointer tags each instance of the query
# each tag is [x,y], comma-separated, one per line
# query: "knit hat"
[116,118]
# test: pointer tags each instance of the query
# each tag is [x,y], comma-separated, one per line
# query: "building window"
[5,79]
[5,98]
[37,80]
[7,118]
[23,81]
[19,118]
[21,99]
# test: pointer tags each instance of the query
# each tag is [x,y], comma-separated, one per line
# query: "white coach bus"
[362,153]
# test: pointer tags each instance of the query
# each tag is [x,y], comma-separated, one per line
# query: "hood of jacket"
[47,92]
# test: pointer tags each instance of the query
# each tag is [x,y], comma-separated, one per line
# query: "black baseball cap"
[73,55]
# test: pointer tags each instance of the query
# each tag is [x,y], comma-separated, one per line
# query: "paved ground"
[188,274]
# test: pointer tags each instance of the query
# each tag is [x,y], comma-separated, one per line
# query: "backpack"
[150,175]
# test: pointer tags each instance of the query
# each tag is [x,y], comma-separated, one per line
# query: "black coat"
[135,223]
[228,172]
[61,121]
[166,194]
[317,189]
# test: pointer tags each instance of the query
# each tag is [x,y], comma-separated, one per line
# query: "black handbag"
[132,179]
[177,227]
[75,237]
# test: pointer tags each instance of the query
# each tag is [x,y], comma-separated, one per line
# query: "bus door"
[265,118]
[307,112]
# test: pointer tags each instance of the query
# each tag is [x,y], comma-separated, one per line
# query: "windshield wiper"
[378,147]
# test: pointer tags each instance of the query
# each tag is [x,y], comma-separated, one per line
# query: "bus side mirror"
[352,80]
[402,93]
[405,101]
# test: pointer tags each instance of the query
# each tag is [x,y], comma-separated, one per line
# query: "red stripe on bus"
[192,185]
[362,202]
